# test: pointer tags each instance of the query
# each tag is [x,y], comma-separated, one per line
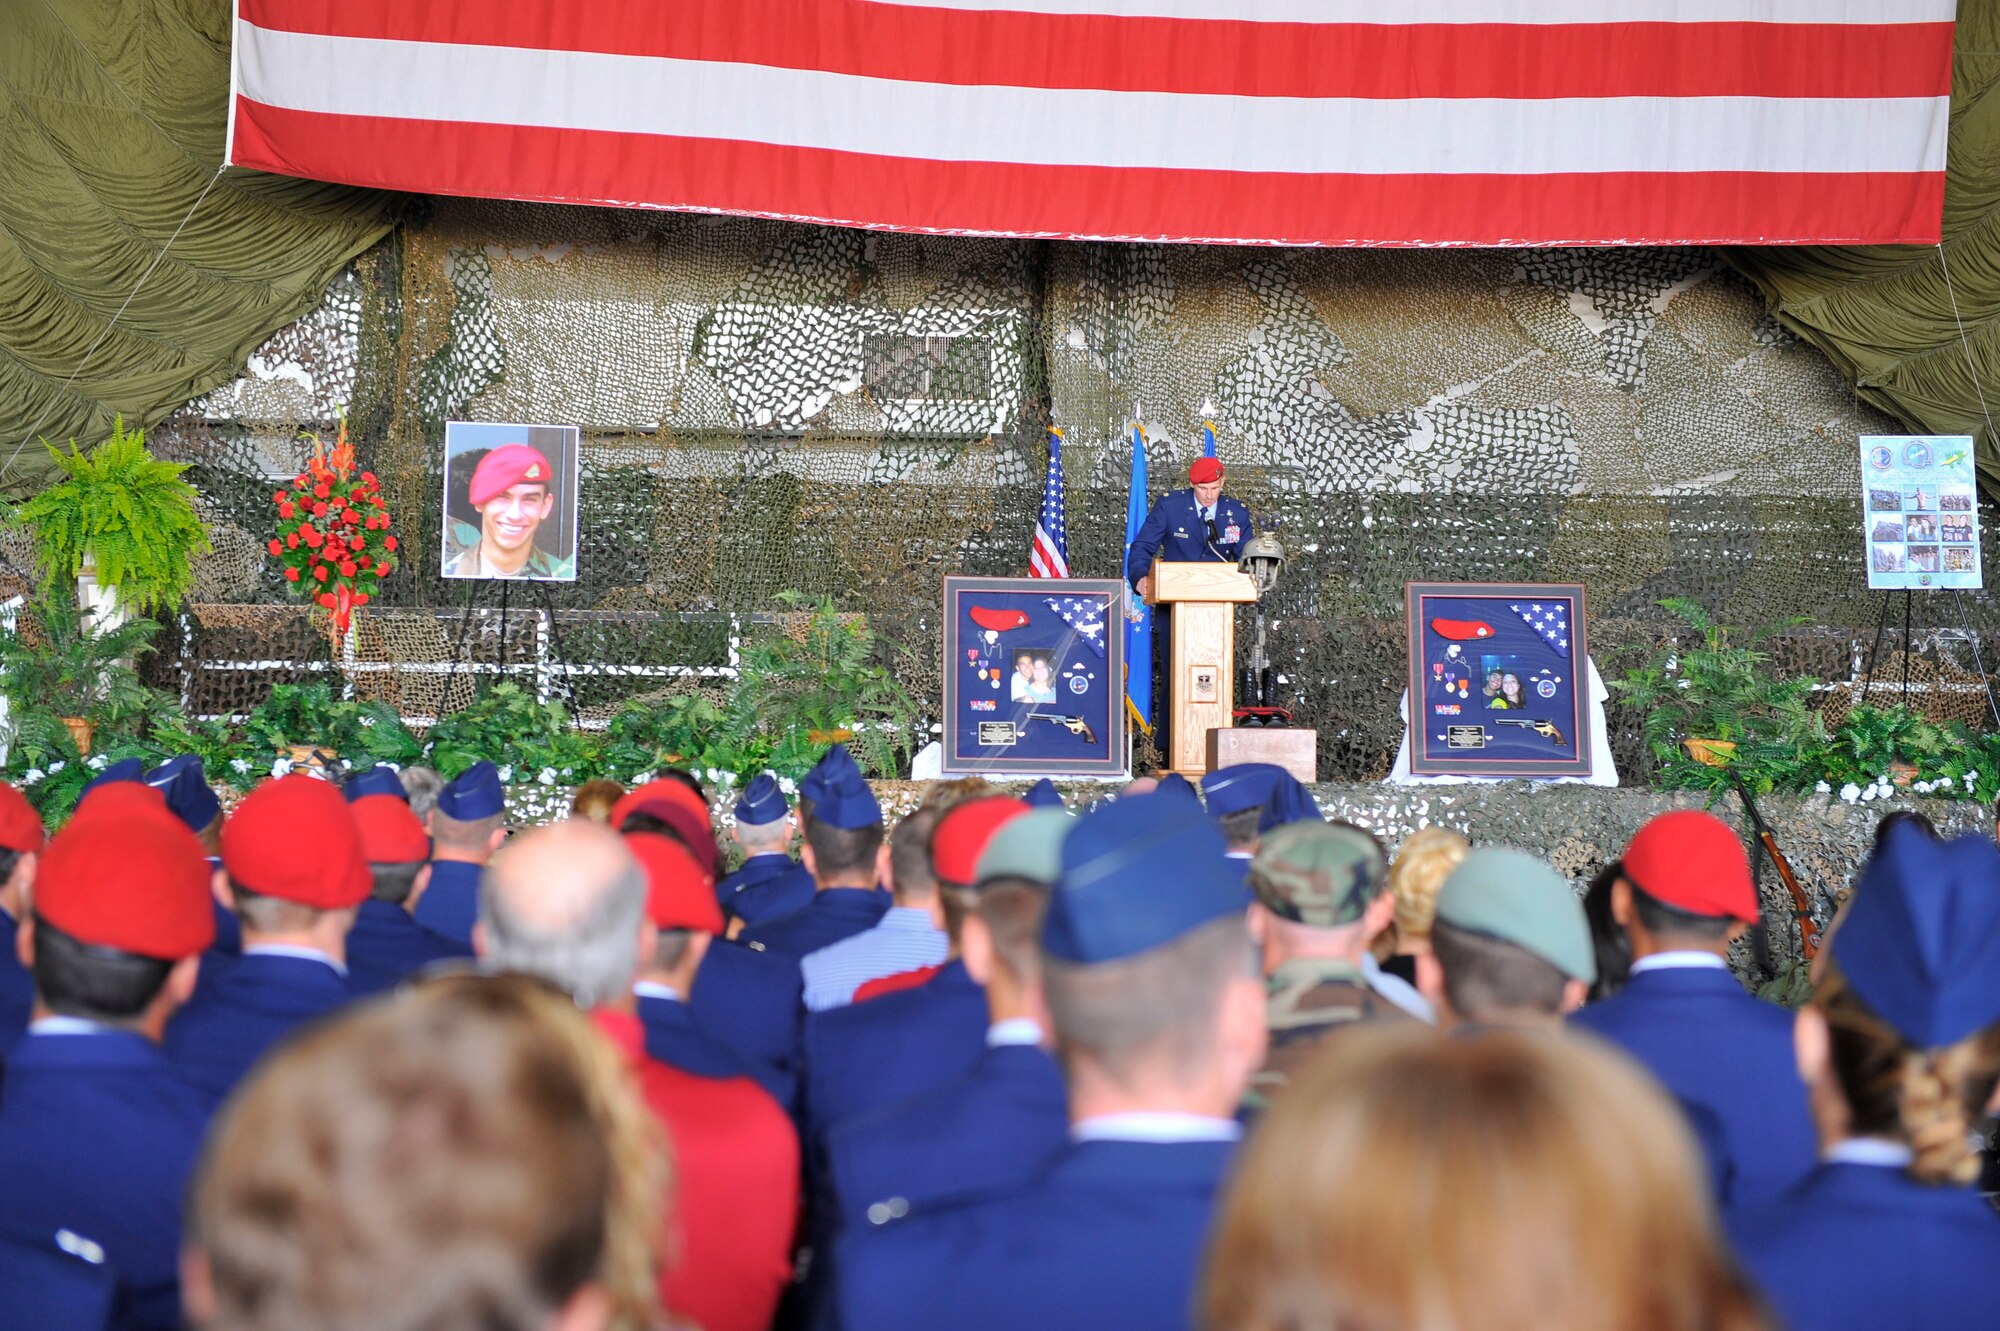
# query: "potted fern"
[58,664]
[119,518]
[801,692]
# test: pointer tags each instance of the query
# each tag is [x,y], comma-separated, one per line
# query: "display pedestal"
[1297,751]
[1202,666]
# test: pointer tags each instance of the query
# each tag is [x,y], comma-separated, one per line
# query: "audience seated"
[1506,1181]
[467,824]
[21,841]
[770,882]
[1683,894]
[386,945]
[594,800]
[567,904]
[184,785]
[1900,1047]
[843,853]
[908,936]
[295,878]
[1509,945]
[467,1154]
[1422,863]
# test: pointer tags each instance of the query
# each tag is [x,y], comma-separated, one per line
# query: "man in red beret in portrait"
[513,491]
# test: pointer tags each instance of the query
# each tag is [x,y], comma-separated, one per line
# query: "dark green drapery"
[1884,313]
[112,119]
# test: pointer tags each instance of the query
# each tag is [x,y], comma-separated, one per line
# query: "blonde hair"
[595,799]
[1513,1181]
[469,1151]
[1424,860]
[1927,1098]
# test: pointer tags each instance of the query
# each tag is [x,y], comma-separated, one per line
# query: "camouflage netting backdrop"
[769,406]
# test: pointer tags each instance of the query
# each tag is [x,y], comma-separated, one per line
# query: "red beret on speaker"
[962,833]
[679,895]
[20,826]
[507,466]
[136,882]
[1694,862]
[390,833]
[1205,471]
[293,838]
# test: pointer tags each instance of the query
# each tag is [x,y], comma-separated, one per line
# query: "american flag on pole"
[1291,122]
[1049,557]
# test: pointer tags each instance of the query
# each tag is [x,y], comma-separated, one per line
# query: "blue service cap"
[1044,795]
[847,803]
[1175,786]
[473,794]
[1921,942]
[1254,785]
[185,786]
[376,780]
[837,763]
[1138,873]
[761,802]
[125,769]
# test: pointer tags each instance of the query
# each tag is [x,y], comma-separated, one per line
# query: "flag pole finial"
[1139,413]
[1208,408]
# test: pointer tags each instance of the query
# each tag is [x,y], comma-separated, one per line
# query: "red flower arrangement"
[333,533]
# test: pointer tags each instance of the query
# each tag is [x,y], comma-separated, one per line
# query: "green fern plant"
[127,512]
[798,694]
[58,663]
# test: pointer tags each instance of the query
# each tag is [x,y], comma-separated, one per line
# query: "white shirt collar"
[1014,1030]
[1679,961]
[654,989]
[916,918]
[297,953]
[1155,1126]
[66,1026]
[1869,1151]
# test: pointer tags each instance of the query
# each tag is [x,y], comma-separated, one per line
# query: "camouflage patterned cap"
[1319,874]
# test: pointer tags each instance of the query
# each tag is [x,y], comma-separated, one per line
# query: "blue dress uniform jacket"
[1173,531]
[98,1136]
[831,915]
[748,1000]
[1712,1044]
[992,1130]
[872,1054]
[675,1038]
[386,946]
[765,888]
[241,1008]
[449,907]
[17,987]
[1867,1247]
[43,1286]
[1110,1237]
[228,933]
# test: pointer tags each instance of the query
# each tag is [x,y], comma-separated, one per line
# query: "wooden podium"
[1201,685]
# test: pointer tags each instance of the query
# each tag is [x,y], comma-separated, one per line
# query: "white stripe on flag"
[1484,11]
[1085,127]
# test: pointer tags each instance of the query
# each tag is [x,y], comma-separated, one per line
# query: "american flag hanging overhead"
[1049,555]
[1296,122]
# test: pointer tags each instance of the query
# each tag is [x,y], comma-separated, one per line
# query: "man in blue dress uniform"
[1684,895]
[909,937]
[1249,799]
[466,828]
[295,879]
[770,883]
[386,946]
[97,1134]
[21,837]
[376,780]
[843,846]
[1196,525]
[1899,1048]
[1158,1019]
[184,785]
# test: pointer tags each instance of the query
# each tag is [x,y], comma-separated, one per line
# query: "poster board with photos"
[1919,511]
[523,521]
[1498,679]
[1034,676]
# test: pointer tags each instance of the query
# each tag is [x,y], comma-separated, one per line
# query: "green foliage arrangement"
[508,727]
[1724,690]
[57,662]
[689,731]
[363,733]
[126,511]
[800,695]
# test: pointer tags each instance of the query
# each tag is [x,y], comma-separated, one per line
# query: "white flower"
[642,778]
[31,776]
[282,767]
[547,777]
[1822,789]
[788,786]
[96,762]
[1850,792]
[57,766]
[367,721]
[239,765]
[507,773]
[1684,684]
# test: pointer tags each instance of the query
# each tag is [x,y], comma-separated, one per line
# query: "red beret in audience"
[132,881]
[293,838]
[390,833]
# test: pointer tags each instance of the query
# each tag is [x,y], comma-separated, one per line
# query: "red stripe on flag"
[1013,49]
[1043,562]
[1125,203]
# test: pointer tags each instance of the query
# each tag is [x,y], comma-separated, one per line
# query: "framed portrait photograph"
[510,501]
[1034,676]
[1498,679]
